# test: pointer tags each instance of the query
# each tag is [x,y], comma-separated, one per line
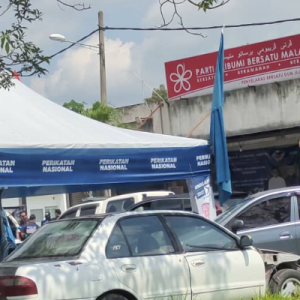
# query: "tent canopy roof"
[32,121]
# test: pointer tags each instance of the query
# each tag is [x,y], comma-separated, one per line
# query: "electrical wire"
[105,28]
[199,28]
[80,40]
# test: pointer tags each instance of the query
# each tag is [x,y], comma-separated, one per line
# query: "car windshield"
[63,238]
[231,210]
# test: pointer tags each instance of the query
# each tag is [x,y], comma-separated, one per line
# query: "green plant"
[98,112]
[269,296]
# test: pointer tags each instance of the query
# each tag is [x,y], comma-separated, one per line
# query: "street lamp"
[60,38]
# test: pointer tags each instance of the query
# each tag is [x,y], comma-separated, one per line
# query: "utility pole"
[103,94]
[102,60]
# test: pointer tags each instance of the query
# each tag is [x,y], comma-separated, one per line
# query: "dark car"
[270,217]
[177,202]
[173,202]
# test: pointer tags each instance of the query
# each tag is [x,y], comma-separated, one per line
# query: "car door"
[297,220]
[270,223]
[219,269]
[145,259]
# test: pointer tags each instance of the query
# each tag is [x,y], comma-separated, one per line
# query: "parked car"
[270,217]
[110,205]
[134,256]
[173,202]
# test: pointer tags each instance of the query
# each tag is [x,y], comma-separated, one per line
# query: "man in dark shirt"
[47,219]
[57,214]
[24,218]
[30,228]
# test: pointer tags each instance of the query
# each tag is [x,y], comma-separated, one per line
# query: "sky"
[75,73]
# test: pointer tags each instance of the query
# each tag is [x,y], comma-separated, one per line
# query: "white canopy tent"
[45,148]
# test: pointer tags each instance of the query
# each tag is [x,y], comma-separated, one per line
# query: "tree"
[158,95]
[98,112]
[16,52]
[75,106]
[175,5]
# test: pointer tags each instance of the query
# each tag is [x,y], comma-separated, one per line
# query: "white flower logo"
[181,78]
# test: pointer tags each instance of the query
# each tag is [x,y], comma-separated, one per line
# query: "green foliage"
[162,92]
[98,112]
[102,113]
[269,296]
[207,4]
[75,106]
[18,53]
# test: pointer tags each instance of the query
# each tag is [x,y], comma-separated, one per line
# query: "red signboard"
[249,65]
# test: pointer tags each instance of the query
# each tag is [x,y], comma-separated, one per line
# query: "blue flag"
[217,131]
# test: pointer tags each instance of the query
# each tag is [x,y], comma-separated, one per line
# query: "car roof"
[125,214]
[295,189]
[120,197]
[167,197]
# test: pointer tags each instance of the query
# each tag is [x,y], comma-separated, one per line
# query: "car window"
[88,210]
[196,234]
[167,204]
[62,238]
[232,210]
[119,205]
[187,204]
[269,212]
[116,246]
[142,207]
[70,213]
[146,236]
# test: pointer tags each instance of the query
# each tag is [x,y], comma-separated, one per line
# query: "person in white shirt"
[276,182]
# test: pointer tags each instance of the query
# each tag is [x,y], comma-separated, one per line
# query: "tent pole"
[4,246]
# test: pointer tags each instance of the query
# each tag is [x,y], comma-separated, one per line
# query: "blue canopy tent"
[47,149]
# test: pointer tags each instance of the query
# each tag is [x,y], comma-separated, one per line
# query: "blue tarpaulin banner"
[61,170]
[217,130]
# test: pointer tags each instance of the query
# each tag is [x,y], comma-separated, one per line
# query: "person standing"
[57,214]
[30,228]
[24,218]
[276,182]
[47,218]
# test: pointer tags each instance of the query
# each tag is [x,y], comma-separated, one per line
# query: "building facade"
[262,126]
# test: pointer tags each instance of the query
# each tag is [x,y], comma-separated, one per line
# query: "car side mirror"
[246,241]
[237,225]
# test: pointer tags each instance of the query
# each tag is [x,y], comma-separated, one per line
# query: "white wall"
[11,202]
[246,111]
[40,203]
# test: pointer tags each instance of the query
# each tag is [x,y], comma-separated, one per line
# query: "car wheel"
[285,282]
[113,297]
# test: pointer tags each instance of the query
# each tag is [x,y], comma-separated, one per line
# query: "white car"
[133,256]
[110,205]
